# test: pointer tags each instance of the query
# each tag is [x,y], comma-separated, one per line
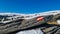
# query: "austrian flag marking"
[40,18]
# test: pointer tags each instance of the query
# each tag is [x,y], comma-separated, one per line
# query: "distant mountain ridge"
[34,14]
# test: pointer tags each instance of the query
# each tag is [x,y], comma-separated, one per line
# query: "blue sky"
[29,6]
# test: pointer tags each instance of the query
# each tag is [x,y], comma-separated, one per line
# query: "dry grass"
[53,22]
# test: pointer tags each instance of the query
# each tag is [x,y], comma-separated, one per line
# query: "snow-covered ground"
[58,21]
[33,31]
